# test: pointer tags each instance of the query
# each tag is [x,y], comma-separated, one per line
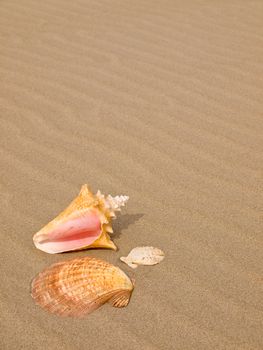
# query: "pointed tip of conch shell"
[86,190]
[87,195]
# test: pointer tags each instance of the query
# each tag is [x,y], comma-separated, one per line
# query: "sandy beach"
[159,100]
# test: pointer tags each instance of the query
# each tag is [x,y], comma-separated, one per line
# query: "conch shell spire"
[113,203]
[85,223]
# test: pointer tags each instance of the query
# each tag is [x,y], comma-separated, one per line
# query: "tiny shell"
[85,223]
[143,256]
[77,287]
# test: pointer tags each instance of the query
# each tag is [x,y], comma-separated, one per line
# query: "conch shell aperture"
[77,287]
[85,223]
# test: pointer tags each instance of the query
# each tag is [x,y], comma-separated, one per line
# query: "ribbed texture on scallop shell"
[79,286]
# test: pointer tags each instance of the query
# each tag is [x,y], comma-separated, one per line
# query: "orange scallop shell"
[77,287]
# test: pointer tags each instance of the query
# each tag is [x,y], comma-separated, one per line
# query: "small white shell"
[143,256]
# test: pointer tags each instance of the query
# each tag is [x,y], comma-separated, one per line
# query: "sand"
[159,100]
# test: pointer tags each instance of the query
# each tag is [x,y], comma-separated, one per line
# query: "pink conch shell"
[85,223]
[77,287]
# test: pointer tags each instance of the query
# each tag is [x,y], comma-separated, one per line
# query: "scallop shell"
[77,287]
[85,223]
[143,256]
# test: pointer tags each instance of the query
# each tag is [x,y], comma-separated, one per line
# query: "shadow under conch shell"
[85,223]
[77,287]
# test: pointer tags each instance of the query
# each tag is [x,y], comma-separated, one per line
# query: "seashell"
[77,287]
[85,223]
[143,256]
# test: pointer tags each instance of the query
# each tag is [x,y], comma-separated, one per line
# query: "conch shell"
[77,287]
[85,223]
[143,256]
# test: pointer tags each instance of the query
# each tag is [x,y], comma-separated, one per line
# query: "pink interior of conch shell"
[72,234]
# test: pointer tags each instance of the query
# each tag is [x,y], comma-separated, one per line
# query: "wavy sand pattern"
[160,100]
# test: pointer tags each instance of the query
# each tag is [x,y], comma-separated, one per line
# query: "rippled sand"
[160,100]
